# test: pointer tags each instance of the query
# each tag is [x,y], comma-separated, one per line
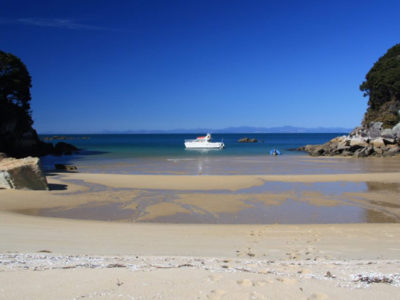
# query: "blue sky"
[130,65]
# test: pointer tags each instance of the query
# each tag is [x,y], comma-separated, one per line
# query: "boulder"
[374,129]
[369,150]
[342,146]
[387,133]
[378,150]
[396,131]
[377,143]
[347,153]
[68,168]
[357,143]
[62,148]
[247,140]
[389,141]
[318,150]
[393,150]
[360,153]
[358,131]
[24,173]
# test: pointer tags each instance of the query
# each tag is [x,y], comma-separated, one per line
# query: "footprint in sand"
[318,296]
[288,281]
[216,294]
[247,253]
[257,296]
[305,271]
[216,277]
[245,282]
[261,282]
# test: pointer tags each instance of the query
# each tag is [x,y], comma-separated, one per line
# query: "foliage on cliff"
[382,85]
[15,96]
[17,137]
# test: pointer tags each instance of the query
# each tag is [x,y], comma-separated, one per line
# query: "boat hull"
[204,145]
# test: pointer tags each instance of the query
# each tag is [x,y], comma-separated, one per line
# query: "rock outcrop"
[247,140]
[372,140]
[24,173]
[62,137]
[19,144]
[67,168]
[62,148]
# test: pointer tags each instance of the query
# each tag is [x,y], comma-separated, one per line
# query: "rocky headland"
[372,140]
[379,134]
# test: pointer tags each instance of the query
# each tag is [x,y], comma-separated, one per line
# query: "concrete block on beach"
[24,173]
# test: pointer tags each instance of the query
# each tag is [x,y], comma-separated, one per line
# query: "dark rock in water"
[68,168]
[57,137]
[247,140]
[17,142]
[24,173]
[64,148]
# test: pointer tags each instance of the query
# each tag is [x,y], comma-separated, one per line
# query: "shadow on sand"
[57,187]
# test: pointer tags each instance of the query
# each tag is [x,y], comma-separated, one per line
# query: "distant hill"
[243,129]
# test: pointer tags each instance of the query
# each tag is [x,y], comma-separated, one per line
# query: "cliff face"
[20,142]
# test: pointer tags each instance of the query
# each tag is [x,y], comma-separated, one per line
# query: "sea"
[166,153]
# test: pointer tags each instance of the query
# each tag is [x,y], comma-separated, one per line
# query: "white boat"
[203,142]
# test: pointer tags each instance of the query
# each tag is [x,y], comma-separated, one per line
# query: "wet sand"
[58,243]
[230,199]
[241,165]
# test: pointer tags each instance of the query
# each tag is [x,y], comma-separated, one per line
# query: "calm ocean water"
[155,153]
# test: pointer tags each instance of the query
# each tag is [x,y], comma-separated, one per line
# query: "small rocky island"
[379,134]
[247,140]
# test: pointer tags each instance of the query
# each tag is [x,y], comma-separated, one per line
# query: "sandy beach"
[199,150]
[61,244]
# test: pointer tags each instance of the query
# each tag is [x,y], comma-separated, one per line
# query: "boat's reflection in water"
[203,150]
[202,160]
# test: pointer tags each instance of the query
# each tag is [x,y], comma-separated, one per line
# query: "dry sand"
[55,258]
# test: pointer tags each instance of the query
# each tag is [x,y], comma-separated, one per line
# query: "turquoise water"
[165,153]
[145,145]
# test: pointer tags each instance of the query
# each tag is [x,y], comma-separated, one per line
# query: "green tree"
[15,96]
[382,85]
